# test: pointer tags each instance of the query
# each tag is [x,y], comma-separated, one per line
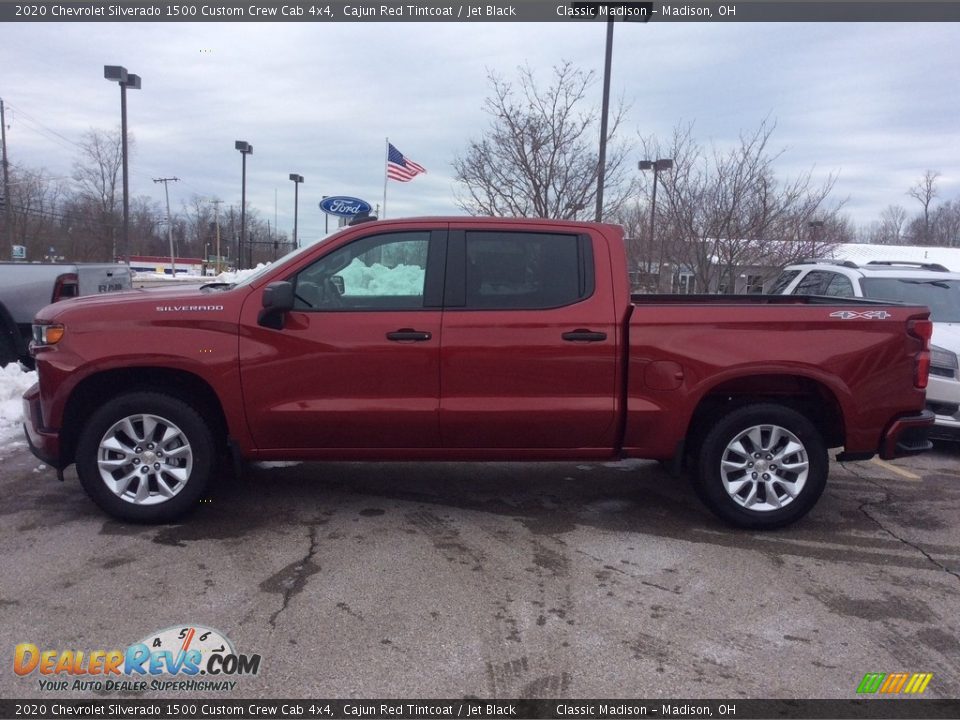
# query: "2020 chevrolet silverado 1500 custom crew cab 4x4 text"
[472,339]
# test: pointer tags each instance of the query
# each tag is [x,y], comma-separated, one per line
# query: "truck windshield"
[941,296]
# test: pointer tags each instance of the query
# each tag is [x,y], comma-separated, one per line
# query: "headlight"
[47,334]
[944,361]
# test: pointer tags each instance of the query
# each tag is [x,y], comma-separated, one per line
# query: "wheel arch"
[808,396]
[10,336]
[95,390]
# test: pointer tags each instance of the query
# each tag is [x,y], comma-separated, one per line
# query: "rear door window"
[516,270]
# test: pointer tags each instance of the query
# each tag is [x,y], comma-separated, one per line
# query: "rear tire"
[762,466]
[8,348]
[145,457]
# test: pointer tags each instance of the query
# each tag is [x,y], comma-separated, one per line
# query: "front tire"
[145,457]
[762,466]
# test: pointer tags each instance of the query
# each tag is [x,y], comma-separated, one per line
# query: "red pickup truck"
[472,339]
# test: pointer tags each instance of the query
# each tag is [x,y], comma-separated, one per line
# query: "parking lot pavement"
[501,580]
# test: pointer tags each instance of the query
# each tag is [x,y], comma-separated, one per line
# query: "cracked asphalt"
[500,581]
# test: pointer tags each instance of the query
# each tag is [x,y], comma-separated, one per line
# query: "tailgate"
[106,277]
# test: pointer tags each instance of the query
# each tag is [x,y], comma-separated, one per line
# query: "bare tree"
[198,225]
[945,225]
[892,221]
[634,216]
[539,157]
[35,204]
[725,209]
[924,192]
[98,179]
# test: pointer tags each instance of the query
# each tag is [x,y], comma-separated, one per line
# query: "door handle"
[583,335]
[408,335]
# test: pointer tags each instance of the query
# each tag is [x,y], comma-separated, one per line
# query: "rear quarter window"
[781,283]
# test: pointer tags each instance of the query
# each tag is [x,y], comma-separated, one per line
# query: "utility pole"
[166,190]
[216,217]
[8,210]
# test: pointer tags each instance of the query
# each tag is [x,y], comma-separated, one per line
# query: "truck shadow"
[855,521]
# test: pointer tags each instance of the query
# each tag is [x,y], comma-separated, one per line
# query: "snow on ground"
[13,383]
[231,276]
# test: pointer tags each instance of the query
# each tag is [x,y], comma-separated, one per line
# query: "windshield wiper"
[935,283]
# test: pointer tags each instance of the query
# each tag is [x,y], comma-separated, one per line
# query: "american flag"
[401,168]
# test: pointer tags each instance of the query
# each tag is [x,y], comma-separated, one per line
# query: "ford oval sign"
[344,206]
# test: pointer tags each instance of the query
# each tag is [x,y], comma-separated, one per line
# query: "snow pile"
[231,276]
[235,276]
[377,279]
[13,383]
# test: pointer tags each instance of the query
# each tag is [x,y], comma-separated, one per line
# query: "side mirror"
[277,300]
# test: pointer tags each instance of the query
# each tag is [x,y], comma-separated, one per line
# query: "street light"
[245,149]
[815,228]
[591,9]
[297,179]
[656,166]
[119,74]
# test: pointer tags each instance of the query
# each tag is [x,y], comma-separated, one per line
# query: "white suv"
[919,283]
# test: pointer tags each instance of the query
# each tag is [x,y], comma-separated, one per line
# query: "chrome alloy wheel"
[145,459]
[764,468]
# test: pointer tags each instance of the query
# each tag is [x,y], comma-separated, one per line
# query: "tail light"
[67,286]
[923,331]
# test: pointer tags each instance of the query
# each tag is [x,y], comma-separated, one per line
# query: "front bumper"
[44,443]
[907,435]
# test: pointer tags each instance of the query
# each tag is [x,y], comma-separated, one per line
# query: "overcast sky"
[876,103]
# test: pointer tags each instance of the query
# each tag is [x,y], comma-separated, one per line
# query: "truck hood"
[176,299]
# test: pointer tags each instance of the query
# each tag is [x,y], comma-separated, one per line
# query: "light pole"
[245,149]
[602,161]
[815,227]
[173,254]
[656,166]
[604,110]
[297,179]
[126,80]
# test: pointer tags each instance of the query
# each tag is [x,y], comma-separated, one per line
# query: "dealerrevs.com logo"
[184,658]
[894,683]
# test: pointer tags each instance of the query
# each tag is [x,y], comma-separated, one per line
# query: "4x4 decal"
[865,315]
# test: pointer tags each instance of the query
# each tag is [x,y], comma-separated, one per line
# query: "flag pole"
[386,159]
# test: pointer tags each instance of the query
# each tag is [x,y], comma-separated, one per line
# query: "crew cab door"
[530,338]
[356,364]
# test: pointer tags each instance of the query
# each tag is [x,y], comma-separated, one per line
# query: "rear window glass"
[941,296]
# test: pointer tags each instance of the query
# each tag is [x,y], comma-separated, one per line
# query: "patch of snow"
[627,465]
[14,381]
[610,505]
[377,279]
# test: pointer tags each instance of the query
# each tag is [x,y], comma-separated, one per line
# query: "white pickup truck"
[27,287]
